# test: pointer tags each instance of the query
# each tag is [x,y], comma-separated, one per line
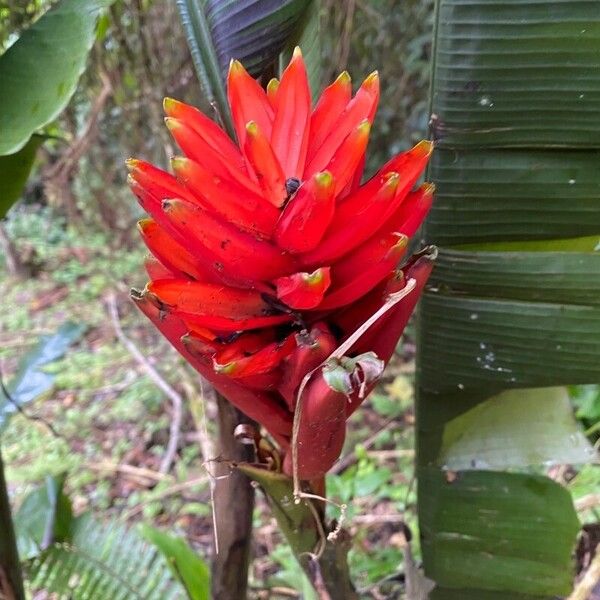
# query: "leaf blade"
[39,72]
[485,514]
[30,382]
[14,172]
[516,428]
[186,565]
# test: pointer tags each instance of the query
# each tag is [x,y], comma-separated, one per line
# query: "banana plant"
[273,270]
[512,311]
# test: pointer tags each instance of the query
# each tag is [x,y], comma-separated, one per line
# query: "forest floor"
[112,424]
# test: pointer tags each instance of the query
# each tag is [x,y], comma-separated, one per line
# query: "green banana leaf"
[513,305]
[39,74]
[254,33]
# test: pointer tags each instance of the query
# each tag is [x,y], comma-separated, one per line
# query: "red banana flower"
[268,254]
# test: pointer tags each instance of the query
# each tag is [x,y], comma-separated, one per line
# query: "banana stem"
[322,551]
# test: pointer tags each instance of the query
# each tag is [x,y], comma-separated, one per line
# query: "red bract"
[268,254]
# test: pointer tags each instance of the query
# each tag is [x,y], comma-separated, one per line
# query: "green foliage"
[102,560]
[478,527]
[585,485]
[40,71]
[185,564]
[80,558]
[44,517]
[14,171]
[586,399]
[31,382]
[290,574]
[514,429]
[513,304]
[309,37]
[394,38]
[220,30]
[295,520]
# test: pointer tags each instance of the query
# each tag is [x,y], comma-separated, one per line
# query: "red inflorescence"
[267,255]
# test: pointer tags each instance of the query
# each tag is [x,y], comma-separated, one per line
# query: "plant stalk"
[233,505]
[11,580]
[329,573]
[325,561]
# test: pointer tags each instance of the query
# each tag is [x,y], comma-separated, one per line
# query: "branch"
[159,381]
[588,582]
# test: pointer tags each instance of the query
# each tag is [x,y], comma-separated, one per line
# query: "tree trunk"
[14,266]
[233,505]
[11,582]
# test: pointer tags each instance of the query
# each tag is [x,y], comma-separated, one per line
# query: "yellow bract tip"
[170,105]
[324,179]
[142,224]
[132,163]
[313,278]
[179,162]
[364,127]
[392,178]
[297,52]
[424,147]
[273,85]
[172,123]
[371,83]
[252,128]
[344,78]
[236,67]
[226,369]
[402,242]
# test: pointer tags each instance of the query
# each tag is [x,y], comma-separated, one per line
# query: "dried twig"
[137,473]
[587,502]
[58,176]
[159,381]
[589,581]
[371,519]
[171,491]
[198,402]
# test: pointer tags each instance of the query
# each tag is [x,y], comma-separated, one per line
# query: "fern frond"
[103,562]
